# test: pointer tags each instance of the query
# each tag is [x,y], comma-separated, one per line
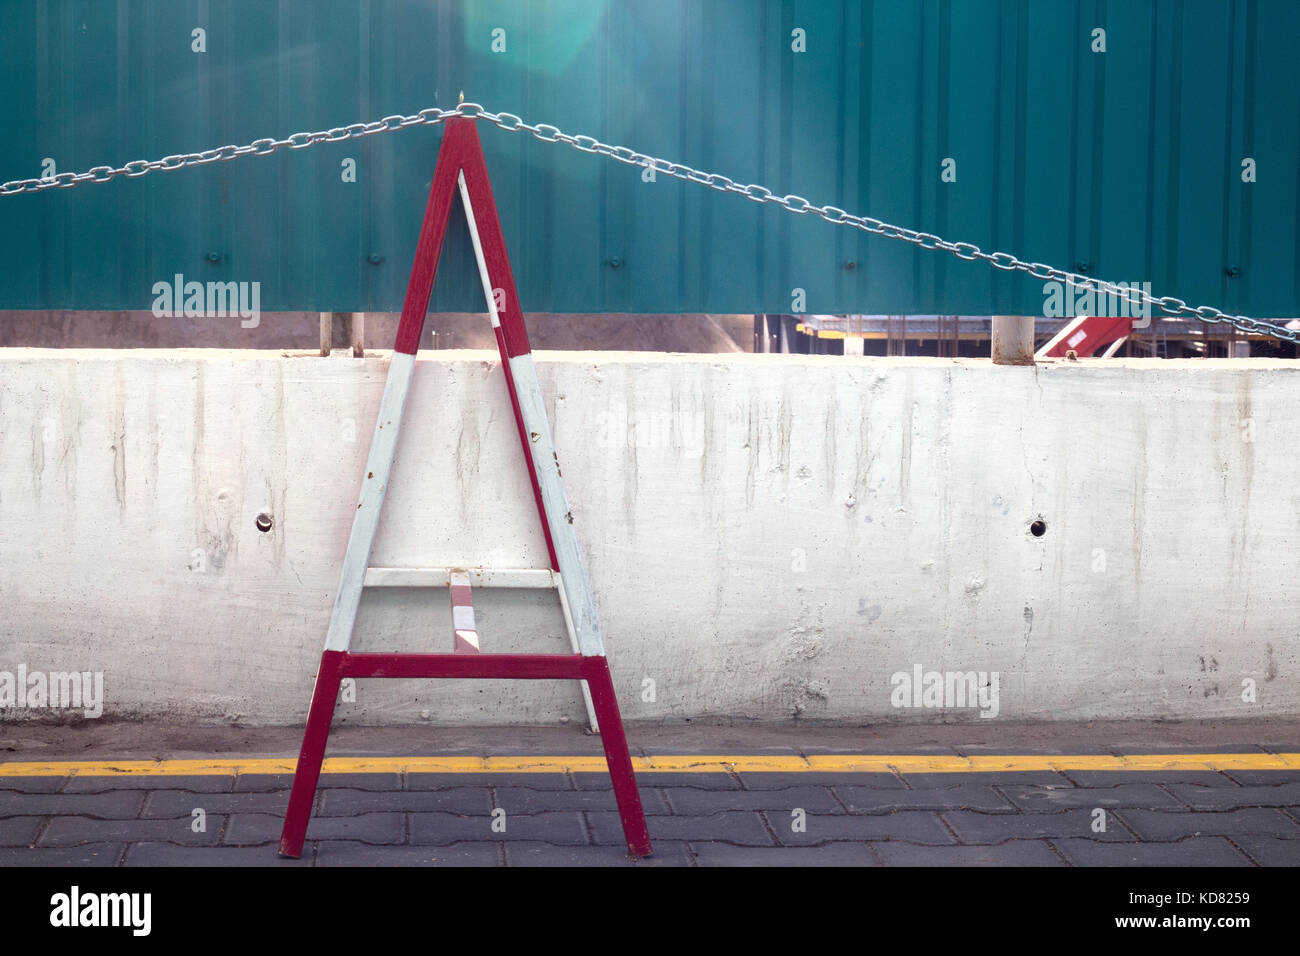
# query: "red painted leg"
[617,756]
[307,772]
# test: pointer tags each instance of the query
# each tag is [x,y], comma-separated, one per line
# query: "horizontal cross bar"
[513,666]
[478,577]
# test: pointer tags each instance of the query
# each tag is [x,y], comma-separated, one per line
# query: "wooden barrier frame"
[461,169]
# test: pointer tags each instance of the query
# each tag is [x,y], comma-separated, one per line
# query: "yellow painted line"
[739,763]
[985,763]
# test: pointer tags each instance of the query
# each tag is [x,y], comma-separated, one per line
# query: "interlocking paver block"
[729,826]
[1264,778]
[167,804]
[1195,851]
[533,781]
[1029,778]
[1011,853]
[1226,798]
[529,853]
[915,826]
[351,853]
[33,784]
[830,854]
[1163,825]
[525,800]
[18,831]
[113,805]
[781,781]
[250,829]
[91,854]
[200,783]
[361,781]
[980,828]
[74,831]
[564,828]
[1111,778]
[702,780]
[254,782]
[693,801]
[970,796]
[1269,850]
[462,800]
[1142,795]
[169,854]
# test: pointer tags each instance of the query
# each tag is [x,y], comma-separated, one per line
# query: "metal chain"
[432,116]
[259,147]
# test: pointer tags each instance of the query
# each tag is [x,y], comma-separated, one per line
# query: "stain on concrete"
[119,466]
[905,452]
[38,456]
[870,611]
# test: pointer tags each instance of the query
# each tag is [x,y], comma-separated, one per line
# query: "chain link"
[258,147]
[432,116]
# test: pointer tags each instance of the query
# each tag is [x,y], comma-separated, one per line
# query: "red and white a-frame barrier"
[461,169]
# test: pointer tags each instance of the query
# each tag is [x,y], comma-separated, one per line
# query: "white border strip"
[478,578]
[379,464]
[573,577]
[478,251]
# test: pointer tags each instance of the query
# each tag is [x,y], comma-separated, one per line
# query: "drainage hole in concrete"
[1038,528]
[264,522]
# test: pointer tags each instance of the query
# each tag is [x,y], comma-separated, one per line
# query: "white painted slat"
[556,502]
[478,252]
[478,577]
[379,462]
[592,721]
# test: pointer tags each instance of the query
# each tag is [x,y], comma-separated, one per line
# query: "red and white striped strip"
[462,612]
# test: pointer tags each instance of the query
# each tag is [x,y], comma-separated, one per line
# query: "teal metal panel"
[1126,164]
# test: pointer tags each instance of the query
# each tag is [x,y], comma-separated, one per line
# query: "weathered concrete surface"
[767,536]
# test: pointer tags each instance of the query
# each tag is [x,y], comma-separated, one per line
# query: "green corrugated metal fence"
[1125,164]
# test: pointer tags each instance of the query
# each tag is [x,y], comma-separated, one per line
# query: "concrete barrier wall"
[767,536]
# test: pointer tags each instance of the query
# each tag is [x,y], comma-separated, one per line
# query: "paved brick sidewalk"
[1237,817]
[703,819]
